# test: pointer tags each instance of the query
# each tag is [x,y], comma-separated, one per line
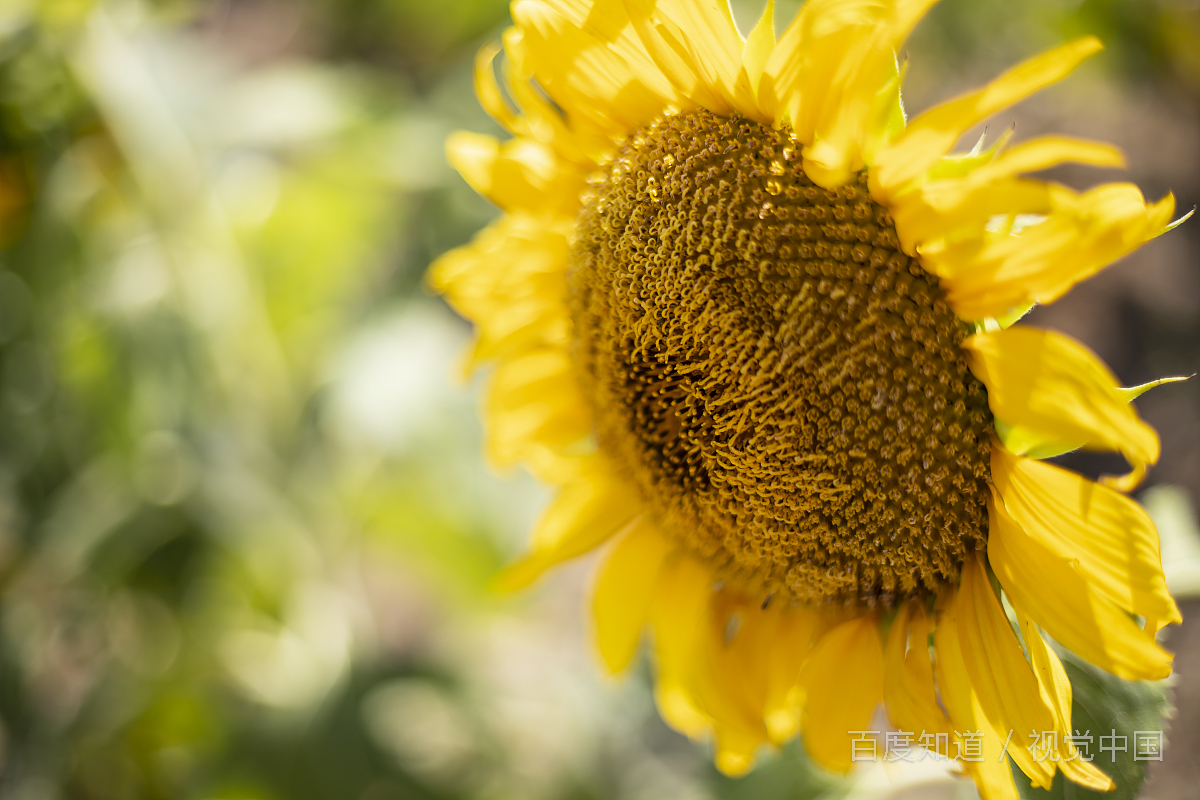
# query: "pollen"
[783,385]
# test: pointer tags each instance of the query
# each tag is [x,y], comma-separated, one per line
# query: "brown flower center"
[783,385]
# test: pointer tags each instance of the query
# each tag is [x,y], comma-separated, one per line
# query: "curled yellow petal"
[1111,539]
[1052,588]
[1056,693]
[924,217]
[1044,152]
[1054,387]
[964,193]
[487,89]
[1027,442]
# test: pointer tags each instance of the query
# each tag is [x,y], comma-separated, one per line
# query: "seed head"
[781,382]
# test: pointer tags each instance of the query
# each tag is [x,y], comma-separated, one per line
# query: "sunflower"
[757,329]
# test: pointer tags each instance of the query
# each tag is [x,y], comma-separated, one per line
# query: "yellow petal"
[519,328]
[510,281]
[1056,693]
[1043,153]
[1112,539]
[759,45]
[843,683]
[966,192]
[581,69]
[742,633]
[827,74]
[678,615]
[730,676]
[540,118]
[886,121]
[922,217]
[1041,262]
[625,586]
[787,65]
[534,400]
[537,116]
[714,47]
[474,155]
[796,628]
[607,21]
[956,683]
[734,751]
[555,467]
[1000,676]
[675,56]
[931,135]
[1055,387]
[908,684]
[710,24]
[1051,587]
[583,516]
[520,175]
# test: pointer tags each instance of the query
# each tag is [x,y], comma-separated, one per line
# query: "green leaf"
[1102,704]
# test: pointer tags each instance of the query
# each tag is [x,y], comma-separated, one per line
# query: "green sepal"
[956,166]
[1022,441]
[1134,392]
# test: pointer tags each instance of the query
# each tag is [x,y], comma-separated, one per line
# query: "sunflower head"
[785,387]
[757,328]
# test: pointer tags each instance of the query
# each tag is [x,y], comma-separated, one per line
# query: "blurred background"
[245,528]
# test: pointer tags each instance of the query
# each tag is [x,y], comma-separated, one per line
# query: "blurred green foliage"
[245,534]
[188,246]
